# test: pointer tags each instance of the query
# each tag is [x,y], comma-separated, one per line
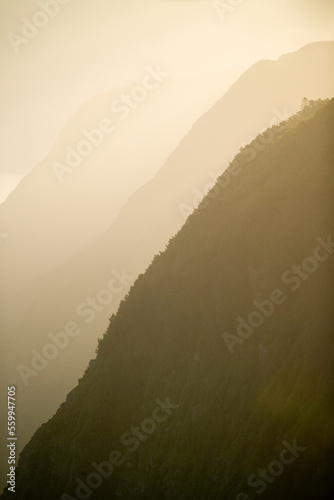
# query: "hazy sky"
[88,47]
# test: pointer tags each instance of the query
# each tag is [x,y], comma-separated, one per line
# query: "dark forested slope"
[214,378]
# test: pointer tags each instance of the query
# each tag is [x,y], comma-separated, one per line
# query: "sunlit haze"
[91,47]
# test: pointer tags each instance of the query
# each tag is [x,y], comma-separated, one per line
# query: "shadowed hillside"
[264,95]
[214,378]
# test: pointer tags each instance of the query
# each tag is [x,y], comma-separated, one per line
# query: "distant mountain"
[266,94]
[100,158]
[214,378]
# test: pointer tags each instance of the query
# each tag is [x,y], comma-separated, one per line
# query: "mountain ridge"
[142,230]
[166,341]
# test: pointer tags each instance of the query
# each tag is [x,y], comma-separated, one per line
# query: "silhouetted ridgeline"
[40,296]
[214,378]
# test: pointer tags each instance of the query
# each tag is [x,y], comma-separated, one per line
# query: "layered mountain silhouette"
[54,214]
[213,379]
[73,195]
[266,94]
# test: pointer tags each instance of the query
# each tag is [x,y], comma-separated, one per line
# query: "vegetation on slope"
[238,399]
